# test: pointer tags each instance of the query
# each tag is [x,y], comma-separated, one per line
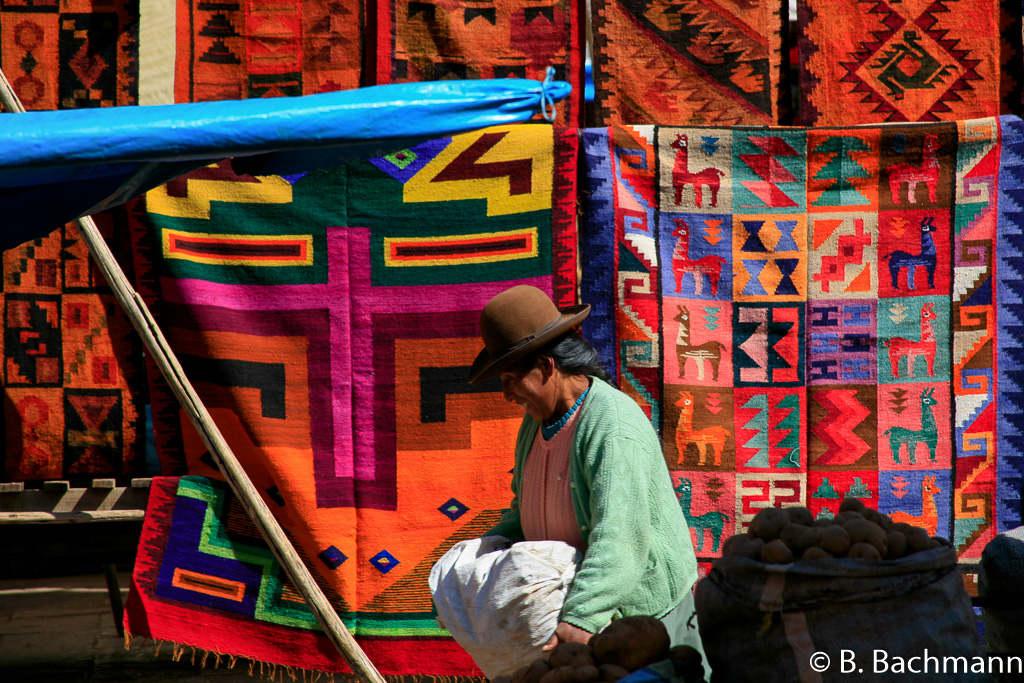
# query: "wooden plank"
[71,517]
[54,503]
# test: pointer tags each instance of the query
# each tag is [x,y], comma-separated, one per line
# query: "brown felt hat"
[517,321]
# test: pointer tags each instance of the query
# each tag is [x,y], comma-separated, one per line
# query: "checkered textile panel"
[72,383]
[811,314]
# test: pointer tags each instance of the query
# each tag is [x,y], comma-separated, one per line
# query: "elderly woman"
[589,471]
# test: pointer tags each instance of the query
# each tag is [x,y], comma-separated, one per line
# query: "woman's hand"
[567,633]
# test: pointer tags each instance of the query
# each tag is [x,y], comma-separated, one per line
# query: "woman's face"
[529,390]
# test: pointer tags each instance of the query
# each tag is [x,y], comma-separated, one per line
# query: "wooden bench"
[44,504]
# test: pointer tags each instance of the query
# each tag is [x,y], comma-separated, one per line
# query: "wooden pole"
[240,483]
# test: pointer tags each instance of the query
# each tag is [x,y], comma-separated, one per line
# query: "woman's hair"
[572,355]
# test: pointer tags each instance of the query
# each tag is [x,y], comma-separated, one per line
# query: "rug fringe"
[279,673]
[267,671]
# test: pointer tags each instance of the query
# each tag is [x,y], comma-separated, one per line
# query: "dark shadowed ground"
[61,629]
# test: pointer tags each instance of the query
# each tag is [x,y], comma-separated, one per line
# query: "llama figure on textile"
[903,259]
[900,347]
[928,434]
[713,521]
[929,517]
[927,172]
[711,438]
[682,264]
[710,351]
[682,176]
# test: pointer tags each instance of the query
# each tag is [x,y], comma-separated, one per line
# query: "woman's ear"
[547,366]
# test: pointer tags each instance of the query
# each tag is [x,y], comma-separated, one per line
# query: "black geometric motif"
[437,383]
[33,340]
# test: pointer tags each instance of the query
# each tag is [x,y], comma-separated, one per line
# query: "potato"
[822,522]
[730,544]
[684,653]
[572,674]
[863,531]
[815,553]
[799,537]
[611,673]
[631,642]
[918,540]
[903,527]
[944,541]
[501,679]
[571,654]
[768,523]
[897,545]
[845,516]
[686,663]
[935,543]
[835,540]
[877,517]
[864,551]
[790,533]
[742,545]
[811,537]
[854,504]
[532,672]
[800,515]
[776,552]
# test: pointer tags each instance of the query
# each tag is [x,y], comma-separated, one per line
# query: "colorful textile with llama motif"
[328,321]
[811,314]
[865,62]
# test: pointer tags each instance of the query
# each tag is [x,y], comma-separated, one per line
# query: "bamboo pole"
[240,483]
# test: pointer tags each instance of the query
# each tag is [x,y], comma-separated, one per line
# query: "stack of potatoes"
[626,645]
[784,535]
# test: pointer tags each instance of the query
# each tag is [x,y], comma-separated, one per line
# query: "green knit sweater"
[639,558]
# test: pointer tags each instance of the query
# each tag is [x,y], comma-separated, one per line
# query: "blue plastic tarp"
[56,166]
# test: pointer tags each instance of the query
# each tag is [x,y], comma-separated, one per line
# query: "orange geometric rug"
[689,62]
[915,60]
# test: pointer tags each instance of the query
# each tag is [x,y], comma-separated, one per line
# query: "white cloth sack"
[501,601]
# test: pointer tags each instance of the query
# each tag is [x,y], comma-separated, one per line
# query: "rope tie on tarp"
[547,103]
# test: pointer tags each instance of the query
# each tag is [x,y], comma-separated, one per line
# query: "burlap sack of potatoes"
[1001,588]
[764,622]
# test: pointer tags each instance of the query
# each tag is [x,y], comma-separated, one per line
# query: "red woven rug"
[916,60]
[434,41]
[204,574]
[688,61]
[238,50]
